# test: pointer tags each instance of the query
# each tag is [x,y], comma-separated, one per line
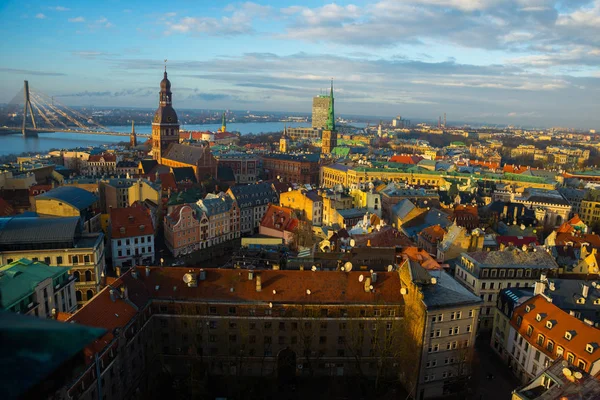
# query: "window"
[268,325]
[529,330]
[571,357]
[468,328]
[559,350]
[540,340]
[212,310]
[550,346]
[59,260]
[471,313]
[568,335]
[232,310]
[536,357]
[549,324]
[581,364]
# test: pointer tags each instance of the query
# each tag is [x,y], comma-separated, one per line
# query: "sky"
[519,62]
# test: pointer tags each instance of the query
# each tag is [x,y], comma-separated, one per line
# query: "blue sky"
[532,62]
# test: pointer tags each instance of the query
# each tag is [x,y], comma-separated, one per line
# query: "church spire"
[223,123]
[132,137]
[330,124]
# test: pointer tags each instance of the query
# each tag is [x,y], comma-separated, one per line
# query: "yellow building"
[333,201]
[366,198]
[307,204]
[143,190]
[68,201]
[339,174]
[590,208]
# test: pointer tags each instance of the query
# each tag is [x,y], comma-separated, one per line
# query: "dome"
[165,115]
[165,84]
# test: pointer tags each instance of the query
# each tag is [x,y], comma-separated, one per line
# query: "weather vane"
[165,65]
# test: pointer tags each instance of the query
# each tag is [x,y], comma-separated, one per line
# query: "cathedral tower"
[165,126]
[329,138]
[283,142]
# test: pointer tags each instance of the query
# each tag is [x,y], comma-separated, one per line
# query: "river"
[17,144]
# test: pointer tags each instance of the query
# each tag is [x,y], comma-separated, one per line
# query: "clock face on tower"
[170,119]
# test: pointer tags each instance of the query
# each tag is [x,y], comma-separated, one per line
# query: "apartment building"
[132,236]
[59,242]
[34,288]
[443,316]
[308,204]
[253,201]
[541,332]
[485,273]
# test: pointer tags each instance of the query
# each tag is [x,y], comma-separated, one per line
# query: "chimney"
[112,295]
[147,271]
[539,288]
[258,283]
[124,292]
[585,290]
[202,274]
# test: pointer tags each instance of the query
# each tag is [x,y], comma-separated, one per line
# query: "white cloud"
[59,8]
[77,19]
[40,16]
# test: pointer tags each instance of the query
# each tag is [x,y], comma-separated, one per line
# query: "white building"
[132,236]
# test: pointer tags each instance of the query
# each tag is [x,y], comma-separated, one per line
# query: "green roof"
[188,196]
[19,279]
[340,151]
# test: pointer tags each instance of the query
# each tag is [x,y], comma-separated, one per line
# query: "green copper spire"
[330,125]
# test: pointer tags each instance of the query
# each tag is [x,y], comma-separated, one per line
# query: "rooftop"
[513,258]
[130,222]
[20,278]
[37,230]
[77,197]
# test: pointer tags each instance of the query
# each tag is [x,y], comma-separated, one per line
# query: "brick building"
[295,168]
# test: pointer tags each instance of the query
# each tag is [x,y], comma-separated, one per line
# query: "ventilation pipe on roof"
[112,295]
[147,271]
[202,274]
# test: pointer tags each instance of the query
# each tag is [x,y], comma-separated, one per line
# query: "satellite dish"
[300,366]
[567,372]
[361,278]
[307,291]
[390,268]
[578,375]
[352,242]
[274,291]
[371,287]
[348,266]
[313,269]
[187,278]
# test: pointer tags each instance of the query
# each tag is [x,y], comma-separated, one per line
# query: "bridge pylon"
[27,106]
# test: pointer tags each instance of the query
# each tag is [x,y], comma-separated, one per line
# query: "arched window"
[88,275]
[90,294]
[76,275]
[78,295]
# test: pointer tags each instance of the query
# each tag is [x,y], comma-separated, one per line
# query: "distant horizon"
[485,62]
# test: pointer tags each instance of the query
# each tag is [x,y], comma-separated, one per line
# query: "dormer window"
[591,347]
[519,320]
[549,324]
[568,335]
[528,308]
[539,317]
[581,300]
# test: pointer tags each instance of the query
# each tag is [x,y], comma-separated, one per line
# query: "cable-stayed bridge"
[39,112]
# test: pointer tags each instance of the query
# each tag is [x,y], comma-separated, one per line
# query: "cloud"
[59,8]
[238,21]
[77,19]
[40,16]
[212,97]
[93,54]
[30,72]
[139,92]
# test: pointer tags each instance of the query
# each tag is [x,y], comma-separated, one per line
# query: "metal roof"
[77,197]
[35,230]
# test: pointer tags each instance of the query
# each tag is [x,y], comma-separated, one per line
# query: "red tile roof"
[465,210]
[433,233]
[279,218]
[517,241]
[577,239]
[107,157]
[385,237]
[39,189]
[420,256]
[130,222]
[485,164]
[406,159]
[581,333]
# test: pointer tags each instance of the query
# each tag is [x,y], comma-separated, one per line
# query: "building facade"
[132,236]
[308,204]
[292,168]
[320,111]
[244,166]
[59,242]
[485,273]
[253,201]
